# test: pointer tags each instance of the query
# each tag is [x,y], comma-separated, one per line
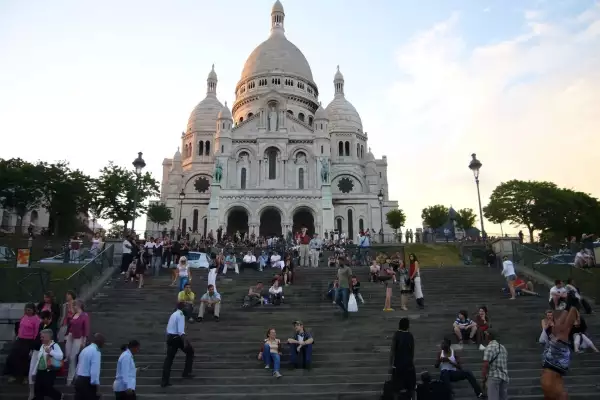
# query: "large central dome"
[277,53]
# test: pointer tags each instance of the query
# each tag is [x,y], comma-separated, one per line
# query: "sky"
[515,81]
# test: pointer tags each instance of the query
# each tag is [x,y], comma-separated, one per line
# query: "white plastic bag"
[352,305]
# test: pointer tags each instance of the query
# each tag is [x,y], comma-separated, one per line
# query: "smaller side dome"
[177,155]
[225,113]
[321,113]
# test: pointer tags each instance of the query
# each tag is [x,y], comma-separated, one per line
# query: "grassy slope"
[59,271]
[430,255]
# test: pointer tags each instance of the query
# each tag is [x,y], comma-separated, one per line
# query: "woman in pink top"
[17,363]
[66,313]
[79,330]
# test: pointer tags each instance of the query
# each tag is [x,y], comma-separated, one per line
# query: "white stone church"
[277,160]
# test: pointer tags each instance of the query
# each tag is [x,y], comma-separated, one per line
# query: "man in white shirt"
[127,256]
[176,340]
[315,246]
[276,261]
[558,293]
[508,272]
[249,261]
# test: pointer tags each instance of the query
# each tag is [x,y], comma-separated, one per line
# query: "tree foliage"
[159,213]
[435,216]
[544,207]
[395,219]
[21,187]
[465,218]
[116,193]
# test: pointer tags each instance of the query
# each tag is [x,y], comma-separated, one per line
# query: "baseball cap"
[297,322]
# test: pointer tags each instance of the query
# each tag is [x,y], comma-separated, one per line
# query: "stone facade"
[278,160]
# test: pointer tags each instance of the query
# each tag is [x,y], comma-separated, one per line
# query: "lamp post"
[380,198]
[181,198]
[139,165]
[475,166]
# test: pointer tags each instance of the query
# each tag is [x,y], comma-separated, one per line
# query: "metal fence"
[29,284]
[588,280]
[41,246]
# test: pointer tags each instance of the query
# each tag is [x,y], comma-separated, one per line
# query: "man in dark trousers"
[88,370]
[402,354]
[176,340]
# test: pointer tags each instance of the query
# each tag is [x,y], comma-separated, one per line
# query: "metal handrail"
[92,261]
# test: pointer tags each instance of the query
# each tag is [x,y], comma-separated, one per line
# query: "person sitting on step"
[374,271]
[249,261]
[276,293]
[356,289]
[572,288]
[271,352]
[579,338]
[464,328]
[482,320]
[187,297]
[254,296]
[231,262]
[332,289]
[211,302]
[521,288]
[547,326]
[263,260]
[287,271]
[331,261]
[276,261]
[432,389]
[452,371]
[558,294]
[300,343]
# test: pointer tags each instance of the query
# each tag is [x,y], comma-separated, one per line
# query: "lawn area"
[57,271]
[431,255]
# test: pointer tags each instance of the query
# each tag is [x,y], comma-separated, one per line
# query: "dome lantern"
[277,17]
[338,82]
[211,82]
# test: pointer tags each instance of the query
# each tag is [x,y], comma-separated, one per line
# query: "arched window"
[347,148]
[301,117]
[350,227]
[195,221]
[361,225]
[185,150]
[222,148]
[339,225]
[205,229]
[340,148]
[290,112]
[357,150]
[241,120]
[272,156]
[310,120]
[200,148]
[249,115]
[183,226]
[301,178]
[207,147]
[362,151]
[321,149]
[243,178]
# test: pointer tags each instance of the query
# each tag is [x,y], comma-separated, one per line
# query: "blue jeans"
[305,355]
[182,281]
[342,296]
[273,358]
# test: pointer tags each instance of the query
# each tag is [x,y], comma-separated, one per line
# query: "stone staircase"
[349,357]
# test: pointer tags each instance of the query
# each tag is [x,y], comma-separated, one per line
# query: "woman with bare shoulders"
[557,353]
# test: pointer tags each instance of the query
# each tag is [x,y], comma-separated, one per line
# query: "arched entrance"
[237,220]
[270,222]
[303,218]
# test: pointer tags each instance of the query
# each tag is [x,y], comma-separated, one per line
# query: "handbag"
[352,304]
[62,333]
[54,363]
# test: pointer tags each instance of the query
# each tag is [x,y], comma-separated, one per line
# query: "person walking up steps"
[177,340]
[88,370]
[345,283]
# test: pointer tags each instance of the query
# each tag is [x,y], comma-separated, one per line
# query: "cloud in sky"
[529,106]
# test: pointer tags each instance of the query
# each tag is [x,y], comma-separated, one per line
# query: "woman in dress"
[17,363]
[271,353]
[482,319]
[140,268]
[183,272]
[415,278]
[404,282]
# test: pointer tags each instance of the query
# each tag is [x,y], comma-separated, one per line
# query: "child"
[356,289]
[131,270]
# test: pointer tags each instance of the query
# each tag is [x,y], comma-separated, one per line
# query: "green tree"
[67,196]
[435,216]
[395,219]
[519,202]
[465,218]
[159,213]
[116,192]
[21,188]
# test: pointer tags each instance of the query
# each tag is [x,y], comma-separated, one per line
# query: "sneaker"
[276,374]
[481,347]
[267,367]
[217,319]
[199,319]
[388,309]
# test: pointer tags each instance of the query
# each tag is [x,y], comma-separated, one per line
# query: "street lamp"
[380,198]
[475,166]
[139,165]
[181,198]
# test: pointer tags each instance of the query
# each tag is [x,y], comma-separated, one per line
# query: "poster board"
[23,258]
